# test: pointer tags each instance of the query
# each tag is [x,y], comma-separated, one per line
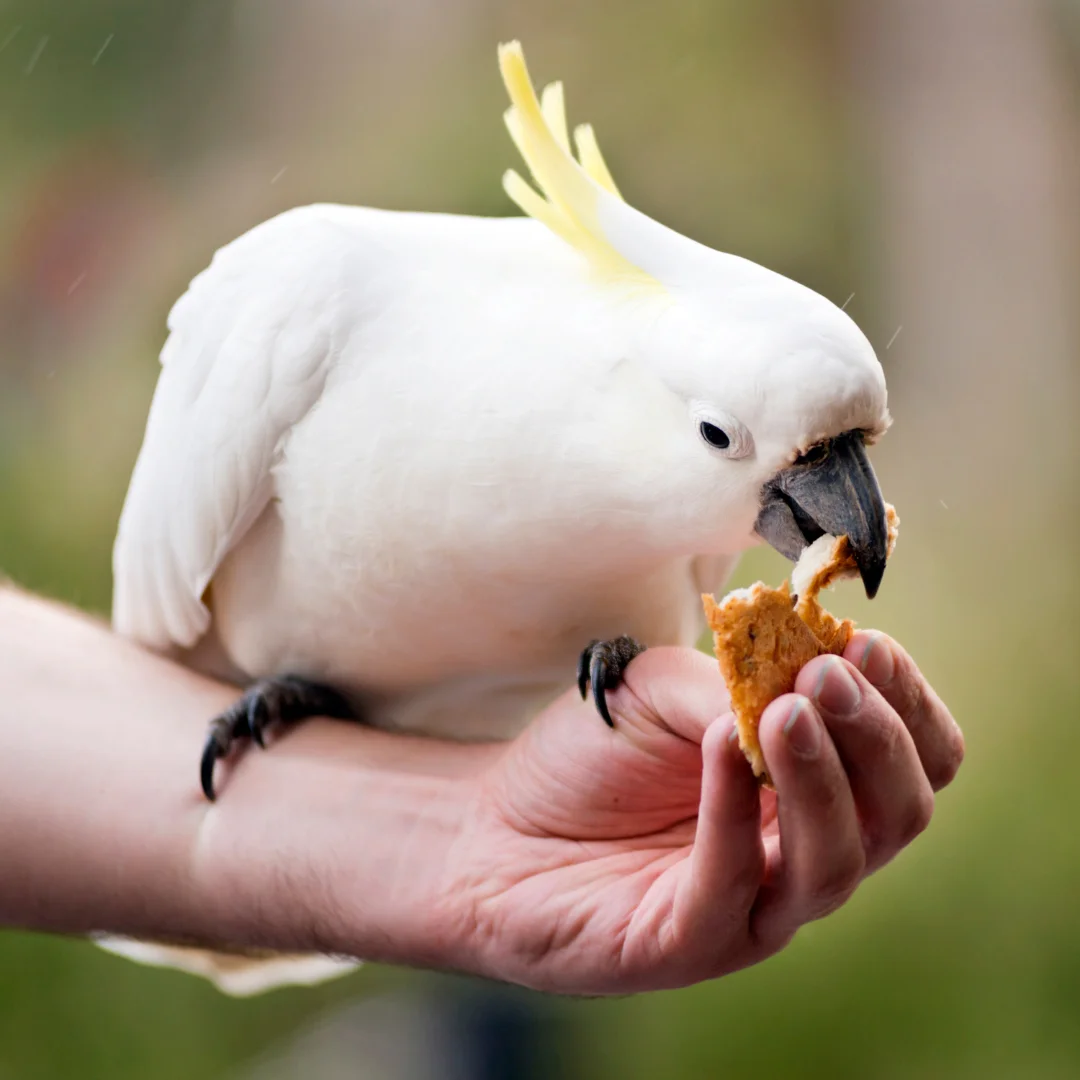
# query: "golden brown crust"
[833,634]
[764,637]
[761,645]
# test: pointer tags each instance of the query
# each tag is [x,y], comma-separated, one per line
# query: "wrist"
[342,840]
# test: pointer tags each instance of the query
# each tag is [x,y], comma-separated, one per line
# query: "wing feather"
[250,346]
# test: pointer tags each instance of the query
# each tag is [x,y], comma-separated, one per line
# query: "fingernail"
[733,734]
[836,691]
[803,732]
[877,662]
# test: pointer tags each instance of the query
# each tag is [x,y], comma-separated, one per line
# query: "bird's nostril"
[815,454]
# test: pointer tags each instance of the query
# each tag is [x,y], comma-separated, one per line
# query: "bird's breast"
[451,523]
[438,630]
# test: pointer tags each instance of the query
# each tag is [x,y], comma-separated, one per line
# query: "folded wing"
[250,346]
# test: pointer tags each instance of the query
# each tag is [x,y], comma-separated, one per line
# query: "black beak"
[830,489]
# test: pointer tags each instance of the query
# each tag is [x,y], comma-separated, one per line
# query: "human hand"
[599,861]
[576,858]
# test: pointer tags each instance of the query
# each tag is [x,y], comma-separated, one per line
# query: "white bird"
[543,431]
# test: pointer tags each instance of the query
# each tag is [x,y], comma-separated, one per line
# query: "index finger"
[727,863]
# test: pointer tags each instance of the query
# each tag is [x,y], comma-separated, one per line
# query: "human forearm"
[333,839]
[95,814]
[339,840]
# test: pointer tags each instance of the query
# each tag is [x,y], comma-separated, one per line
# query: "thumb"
[677,688]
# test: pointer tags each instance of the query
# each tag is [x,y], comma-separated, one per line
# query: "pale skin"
[575,859]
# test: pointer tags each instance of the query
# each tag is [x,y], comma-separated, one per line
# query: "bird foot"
[283,700]
[601,665]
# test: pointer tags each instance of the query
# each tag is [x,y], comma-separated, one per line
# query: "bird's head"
[774,392]
[781,394]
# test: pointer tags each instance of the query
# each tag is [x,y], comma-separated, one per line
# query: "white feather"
[233,974]
[251,344]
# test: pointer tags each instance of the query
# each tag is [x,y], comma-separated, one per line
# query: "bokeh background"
[915,158]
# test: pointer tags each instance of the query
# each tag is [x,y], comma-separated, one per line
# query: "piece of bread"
[763,637]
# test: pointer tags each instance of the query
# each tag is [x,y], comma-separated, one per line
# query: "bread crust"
[763,637]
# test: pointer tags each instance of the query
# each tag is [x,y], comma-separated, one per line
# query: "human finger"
[726,865]
[893,797]
[680,690]
[891,671]
[822,856]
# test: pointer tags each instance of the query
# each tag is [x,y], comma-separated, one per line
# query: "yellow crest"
[571,190]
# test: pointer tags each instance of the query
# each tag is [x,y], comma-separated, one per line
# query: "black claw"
[264,704]
[583,668]
[601,665]
[212,750]
[599,675]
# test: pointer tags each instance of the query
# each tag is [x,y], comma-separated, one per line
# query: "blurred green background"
[917,158]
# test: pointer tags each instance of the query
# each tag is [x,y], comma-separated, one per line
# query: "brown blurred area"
[916,159]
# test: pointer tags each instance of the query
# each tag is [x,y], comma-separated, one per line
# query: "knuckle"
[918,816]
[838,881]
[909,696]
[945,770]
[890,736]
[887,838]
[828,793]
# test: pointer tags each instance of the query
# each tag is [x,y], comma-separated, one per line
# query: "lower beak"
[835,493]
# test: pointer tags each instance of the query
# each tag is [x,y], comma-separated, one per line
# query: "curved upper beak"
[836,492]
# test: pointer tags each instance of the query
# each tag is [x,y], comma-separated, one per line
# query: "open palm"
[606,861]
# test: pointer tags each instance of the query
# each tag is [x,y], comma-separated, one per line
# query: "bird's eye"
[722,431]
[714,435]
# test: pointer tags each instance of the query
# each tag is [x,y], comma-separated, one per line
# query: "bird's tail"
[237,974]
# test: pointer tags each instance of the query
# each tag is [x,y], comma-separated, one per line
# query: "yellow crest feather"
[569,189]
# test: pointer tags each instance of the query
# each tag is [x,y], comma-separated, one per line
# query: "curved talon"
[211,752]
[583,668]
[283,700]
[601,665]
[598,676]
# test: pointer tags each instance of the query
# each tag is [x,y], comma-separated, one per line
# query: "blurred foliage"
[148,72]
[139,137]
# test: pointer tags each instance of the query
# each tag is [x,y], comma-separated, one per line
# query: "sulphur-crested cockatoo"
[549,432]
